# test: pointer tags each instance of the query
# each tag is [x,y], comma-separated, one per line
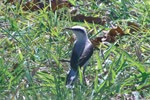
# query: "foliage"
[31,44]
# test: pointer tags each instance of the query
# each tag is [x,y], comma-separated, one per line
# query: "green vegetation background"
[32,42]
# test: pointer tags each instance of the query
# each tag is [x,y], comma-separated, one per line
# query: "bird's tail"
[71,77]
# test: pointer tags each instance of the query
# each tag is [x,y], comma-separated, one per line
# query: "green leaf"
[108,51]
[80,76]
[96,80]
[113,76]
[140,67]
[20,55]
[122,63]
[128,80]
[72,2]
[99,62]
[14,25]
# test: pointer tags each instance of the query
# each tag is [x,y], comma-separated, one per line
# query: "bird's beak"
[69,28]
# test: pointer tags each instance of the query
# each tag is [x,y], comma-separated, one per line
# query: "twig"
[64,60]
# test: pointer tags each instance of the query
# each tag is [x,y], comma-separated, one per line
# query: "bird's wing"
[76,53]
[87,53]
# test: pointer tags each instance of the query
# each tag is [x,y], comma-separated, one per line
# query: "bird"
[81,53]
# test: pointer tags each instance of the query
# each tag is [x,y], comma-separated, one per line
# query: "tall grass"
[32,42]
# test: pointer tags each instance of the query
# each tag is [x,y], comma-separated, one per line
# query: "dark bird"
[81,53]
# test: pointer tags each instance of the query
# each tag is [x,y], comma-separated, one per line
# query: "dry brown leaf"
[32,6]
[96,42]
[12,1]
[109,36]
[88,19]
[55,4]
[36,1]
[110,39]
[133,27]
[116,31]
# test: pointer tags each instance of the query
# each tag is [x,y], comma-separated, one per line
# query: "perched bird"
[81,53]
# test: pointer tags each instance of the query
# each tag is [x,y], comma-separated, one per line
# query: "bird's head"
[79,31]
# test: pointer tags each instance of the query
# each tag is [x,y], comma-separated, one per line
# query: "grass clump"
[32,42]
